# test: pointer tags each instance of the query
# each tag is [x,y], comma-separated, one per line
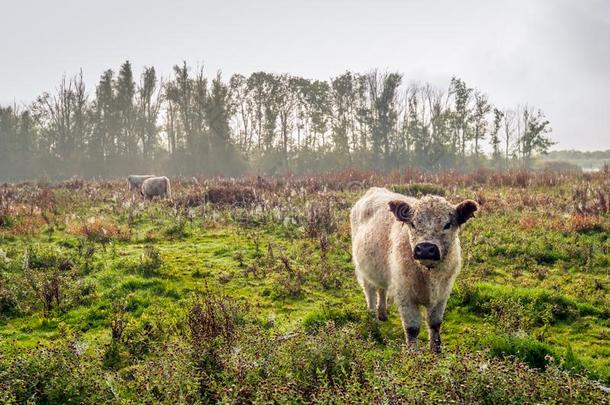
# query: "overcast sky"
[553,54]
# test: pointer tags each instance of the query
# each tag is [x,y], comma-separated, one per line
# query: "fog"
[550,54]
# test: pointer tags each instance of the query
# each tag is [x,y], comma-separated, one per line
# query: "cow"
[156,187]
[408,249]
[134,181]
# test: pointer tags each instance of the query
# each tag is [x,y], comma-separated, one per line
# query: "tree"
[241,95]
[179,92]
[256,86]
[479,119]
[364,113]
[439,127]
[494,136]
[286,98]
[218,112]
[191,125]
[82,121]
[56,114]
[535,137]
[125,88]
[149,100]
[416,132]
[271,111]
[200,122]
[509,123]
[342,106]
[383,93]
[462,96]
[9,139]
[318,111]
[103,142]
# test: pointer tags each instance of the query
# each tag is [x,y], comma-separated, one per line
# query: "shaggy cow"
[134,181]
[408,249]
[156,187]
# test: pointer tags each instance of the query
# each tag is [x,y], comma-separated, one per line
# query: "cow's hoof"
[412,346]
[382,316]
[435,348]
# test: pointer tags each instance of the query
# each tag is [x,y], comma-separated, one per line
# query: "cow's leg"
[411,321]
[382,305]
[435,319]
[370,293]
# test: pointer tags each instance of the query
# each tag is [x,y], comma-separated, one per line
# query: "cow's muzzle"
[426,251]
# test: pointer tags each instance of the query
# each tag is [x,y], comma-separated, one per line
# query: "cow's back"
[372,225]
[135,181]
[156,186]
[372,209]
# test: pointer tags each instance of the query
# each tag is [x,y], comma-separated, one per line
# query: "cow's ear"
[401,210]
[465,210]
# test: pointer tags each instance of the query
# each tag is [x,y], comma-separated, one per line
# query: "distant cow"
[408,249]
[156,187]
[134,182]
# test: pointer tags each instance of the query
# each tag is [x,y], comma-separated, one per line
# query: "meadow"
[242,290]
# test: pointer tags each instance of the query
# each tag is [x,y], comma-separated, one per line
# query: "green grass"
[537,296]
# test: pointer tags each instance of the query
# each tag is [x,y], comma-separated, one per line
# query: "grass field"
[243,290]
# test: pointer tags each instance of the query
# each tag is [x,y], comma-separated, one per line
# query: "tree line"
[264,123]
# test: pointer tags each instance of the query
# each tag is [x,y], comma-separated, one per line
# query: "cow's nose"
[426,251]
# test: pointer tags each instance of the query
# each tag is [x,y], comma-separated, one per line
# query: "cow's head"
[433,225]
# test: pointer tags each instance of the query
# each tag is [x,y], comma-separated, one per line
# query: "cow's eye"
[447,225]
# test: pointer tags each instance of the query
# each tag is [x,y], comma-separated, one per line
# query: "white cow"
[408,249]
[134,181]
[156,186]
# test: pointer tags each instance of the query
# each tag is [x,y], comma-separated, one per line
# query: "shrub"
[190,200]
[5,213]
[48,287]
[318,319]
[45,271]
[151,259]
[327,359]
[100,230]
[81,292]
[320,219]
[231,195]
[557,166]
[418,189]
[177,229]
[534,353]
[288,281]
[212,317]
[139,337]
[112,354]
[212,323]
[148,265]
[589,200]
[55,375]
[167,376]
[536,306]
[44,258]
[586,223]
[9,305]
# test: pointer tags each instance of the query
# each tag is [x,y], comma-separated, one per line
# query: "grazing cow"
[408,249]
[134,181]
[156,186]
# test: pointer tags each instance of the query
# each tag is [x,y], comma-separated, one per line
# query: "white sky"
[553,54]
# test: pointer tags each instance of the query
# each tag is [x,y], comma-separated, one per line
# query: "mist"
[547,58]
